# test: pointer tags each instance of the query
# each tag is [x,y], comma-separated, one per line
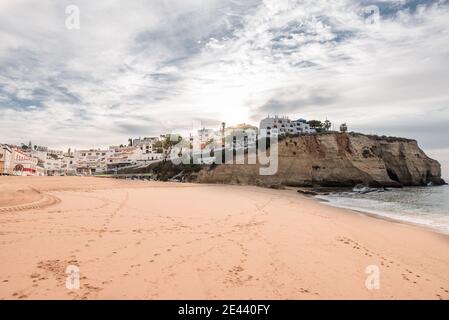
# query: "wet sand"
[154,240]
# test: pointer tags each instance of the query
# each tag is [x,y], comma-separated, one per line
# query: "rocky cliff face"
[337,159]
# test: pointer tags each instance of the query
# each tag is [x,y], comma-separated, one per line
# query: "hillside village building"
[277,126]
[6,162]
[68,164]
[205,137]
[118,157]
[37,160]
[90,161]
[24,164]
[145,144]
[242,135]
[54,162]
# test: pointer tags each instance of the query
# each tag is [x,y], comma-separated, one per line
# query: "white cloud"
[165,64]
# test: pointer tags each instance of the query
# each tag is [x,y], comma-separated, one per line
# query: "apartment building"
[90,161]
[271,126]
[6,163]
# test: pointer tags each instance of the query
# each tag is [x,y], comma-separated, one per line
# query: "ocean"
[426,206]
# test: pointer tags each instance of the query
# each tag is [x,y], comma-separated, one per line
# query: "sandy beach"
[154,240]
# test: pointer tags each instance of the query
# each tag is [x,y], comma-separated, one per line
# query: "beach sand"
[155,240]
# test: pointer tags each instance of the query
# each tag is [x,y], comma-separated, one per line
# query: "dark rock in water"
[360,188]
[277,187]
[307,192]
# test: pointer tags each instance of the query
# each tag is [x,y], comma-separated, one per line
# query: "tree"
[170,141]
[343,127]
[327,125]
[315,124]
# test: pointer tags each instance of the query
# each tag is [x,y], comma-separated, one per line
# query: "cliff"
[337,159]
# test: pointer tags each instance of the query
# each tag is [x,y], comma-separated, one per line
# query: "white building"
[205,136]
[39,153]
[68,164]
[271,126]
[148,149]
[141,153]
[90,161]
[150,156]
[53,161]
[145,144]
[302,126]
[6,162]
[242,135]
[54,164]
[120,156]
[23,164]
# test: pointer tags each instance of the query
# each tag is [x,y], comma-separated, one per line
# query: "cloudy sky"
[137,68]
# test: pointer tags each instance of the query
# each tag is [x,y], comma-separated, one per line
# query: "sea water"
[427,206]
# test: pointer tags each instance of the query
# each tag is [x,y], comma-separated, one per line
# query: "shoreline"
[380,216]
[385,215]
[164,240]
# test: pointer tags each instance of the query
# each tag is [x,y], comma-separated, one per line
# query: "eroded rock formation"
[337,159]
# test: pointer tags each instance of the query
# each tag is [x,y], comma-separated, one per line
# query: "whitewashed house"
[277,126]
[68,164]
[90,161]
[23,164]
[241,135]
[5,160]
[54,164]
